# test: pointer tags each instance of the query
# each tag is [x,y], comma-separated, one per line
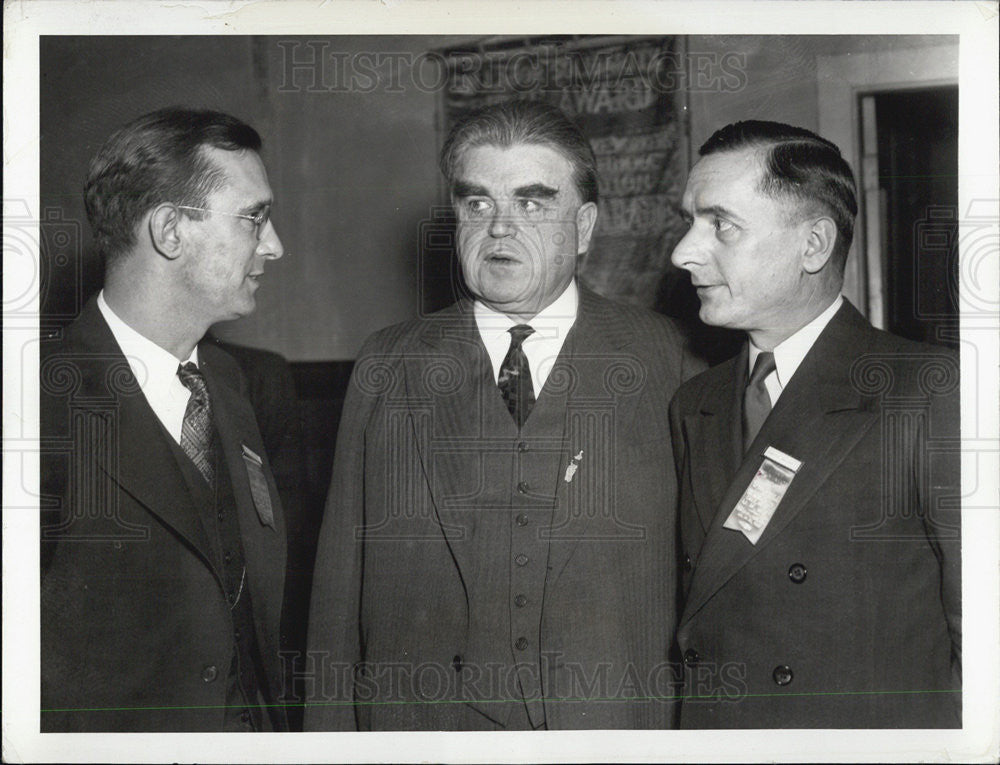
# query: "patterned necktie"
[756,400]
[515,377]
[196,433]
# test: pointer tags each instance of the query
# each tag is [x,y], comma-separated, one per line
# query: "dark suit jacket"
[136,632]
[396,547]
[846,613]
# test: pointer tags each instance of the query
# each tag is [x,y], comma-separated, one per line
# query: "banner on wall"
[628,96]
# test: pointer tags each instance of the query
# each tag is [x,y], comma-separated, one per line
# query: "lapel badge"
[258,486]
[572,467]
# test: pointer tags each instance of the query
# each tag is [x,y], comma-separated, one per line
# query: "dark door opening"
[917,139]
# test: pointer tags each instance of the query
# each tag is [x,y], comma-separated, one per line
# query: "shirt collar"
[552,322]
[150,363]
[788,354]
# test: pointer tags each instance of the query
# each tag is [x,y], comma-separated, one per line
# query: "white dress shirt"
[542,346]
[155,370]
[789,353]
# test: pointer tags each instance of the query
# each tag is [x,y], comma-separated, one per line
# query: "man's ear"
[163,230]
[586,219]
[820,241]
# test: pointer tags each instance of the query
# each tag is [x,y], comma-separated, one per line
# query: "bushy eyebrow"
[466,189]
[461,189]
[536,191]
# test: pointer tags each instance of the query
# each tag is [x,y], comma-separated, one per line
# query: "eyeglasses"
[259,219]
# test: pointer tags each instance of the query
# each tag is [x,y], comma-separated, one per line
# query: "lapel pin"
[572,467]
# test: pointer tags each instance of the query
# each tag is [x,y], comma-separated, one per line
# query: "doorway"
[910,177]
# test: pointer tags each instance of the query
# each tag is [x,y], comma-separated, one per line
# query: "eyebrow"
[718,210]
[536,191]
[531,191]
[466,189]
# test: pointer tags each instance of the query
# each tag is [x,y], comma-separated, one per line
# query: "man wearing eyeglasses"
[163,540]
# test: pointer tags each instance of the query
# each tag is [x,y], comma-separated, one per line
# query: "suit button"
[691,658]
[782,675]
[522,519]
[523,487]
[456,663]
[521,643]
[687,563]
[227,558]
[237,634]
[522,447]
[520,601]
[209,673]
[521,560]
[245,716]
[220,516]
[797,573]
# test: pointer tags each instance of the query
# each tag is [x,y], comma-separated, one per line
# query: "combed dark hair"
[532,122]
[799,164]
[154,159]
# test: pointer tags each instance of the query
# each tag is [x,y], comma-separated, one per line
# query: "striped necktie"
[196,433]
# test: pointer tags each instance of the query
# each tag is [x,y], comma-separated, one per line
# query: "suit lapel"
[717,445]
[592,374]
[137,455]
[817,423]
[262,536]
[448,404]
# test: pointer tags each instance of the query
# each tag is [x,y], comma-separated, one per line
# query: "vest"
[245,681]
[521,471]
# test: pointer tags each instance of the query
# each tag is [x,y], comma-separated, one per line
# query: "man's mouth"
[501,257]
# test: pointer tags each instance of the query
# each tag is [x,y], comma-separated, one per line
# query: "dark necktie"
[756,400]
[196,433]
[515,377]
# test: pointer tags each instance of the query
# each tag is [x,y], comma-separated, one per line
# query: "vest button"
[521,560]
[245,716]
[782,675]
[521,643]
[456,663]
[521,446]
[687,563]
[220,515]
[522,519]
[237,634]
[209,673]
[691,658]
[520,601]
[797,573]
[523,487]
[228,557]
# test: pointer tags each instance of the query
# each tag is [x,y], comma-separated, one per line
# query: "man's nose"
[270,246]
[502,223]
[688,253]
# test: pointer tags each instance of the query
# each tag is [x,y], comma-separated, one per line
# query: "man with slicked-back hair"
[818,469]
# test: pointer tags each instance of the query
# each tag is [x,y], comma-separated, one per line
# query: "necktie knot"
[762,367]
[519,333]
[192,379]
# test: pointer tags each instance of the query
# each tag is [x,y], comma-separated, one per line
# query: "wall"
[353,164]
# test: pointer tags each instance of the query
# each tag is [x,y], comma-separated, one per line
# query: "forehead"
[507,167]
[243,171]
[724,175]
